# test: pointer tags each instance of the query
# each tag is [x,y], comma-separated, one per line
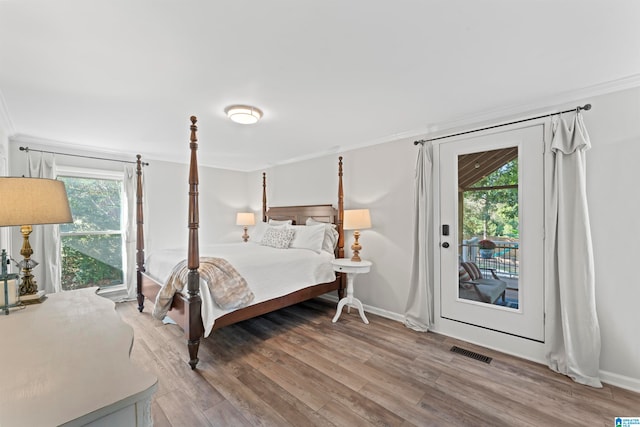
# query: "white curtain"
[573,347]
[45,239]
[5,235]
[419,308]
[129,210]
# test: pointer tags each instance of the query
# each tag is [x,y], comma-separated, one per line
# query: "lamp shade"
[245,218]
[29,201]
[356,219]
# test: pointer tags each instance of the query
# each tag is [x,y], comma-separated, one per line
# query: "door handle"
[445,245]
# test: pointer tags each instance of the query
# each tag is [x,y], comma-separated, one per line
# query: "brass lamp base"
[28,284]
[35,298]
[245,236]
[356,248]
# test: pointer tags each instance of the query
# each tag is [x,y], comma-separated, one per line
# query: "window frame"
[104,174]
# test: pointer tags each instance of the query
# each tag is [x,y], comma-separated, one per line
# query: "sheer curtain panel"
[573,343]
[45,239]
[130,230]
[419,308]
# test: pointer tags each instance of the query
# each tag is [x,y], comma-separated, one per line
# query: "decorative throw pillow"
[277,237]
[473,270]
[308,237]
[259,229]
[463,276]
[330,235]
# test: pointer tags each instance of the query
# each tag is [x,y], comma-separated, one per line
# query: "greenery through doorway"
[489,216]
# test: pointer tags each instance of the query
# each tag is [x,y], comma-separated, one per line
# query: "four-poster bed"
[186,309]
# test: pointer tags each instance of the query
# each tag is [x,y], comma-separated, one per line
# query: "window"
[92,246]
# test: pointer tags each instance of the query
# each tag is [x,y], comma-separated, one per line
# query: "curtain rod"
[27,149]
[586,107]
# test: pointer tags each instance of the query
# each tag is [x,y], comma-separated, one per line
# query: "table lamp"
[245,219]
[356,219]
[27,202]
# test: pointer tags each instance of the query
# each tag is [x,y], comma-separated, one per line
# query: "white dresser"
[66,362]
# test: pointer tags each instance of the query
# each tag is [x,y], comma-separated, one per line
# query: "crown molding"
[545,105]
[37,143]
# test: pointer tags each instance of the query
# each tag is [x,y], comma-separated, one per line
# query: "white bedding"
[269,272]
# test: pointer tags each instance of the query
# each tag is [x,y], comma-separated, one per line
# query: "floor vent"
[471,354]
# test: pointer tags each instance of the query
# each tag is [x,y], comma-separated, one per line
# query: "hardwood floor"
[296,368]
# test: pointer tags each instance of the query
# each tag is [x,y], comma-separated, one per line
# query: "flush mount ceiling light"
[243,114]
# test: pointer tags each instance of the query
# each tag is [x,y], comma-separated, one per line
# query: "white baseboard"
[621,381]
[369,309]
[115,293]
[384,313]
[617,380]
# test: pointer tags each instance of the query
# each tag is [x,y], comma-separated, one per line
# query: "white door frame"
[521,347]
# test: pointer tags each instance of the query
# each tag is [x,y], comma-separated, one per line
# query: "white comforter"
[269,272]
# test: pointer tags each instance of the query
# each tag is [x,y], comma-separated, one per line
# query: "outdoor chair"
[487,289]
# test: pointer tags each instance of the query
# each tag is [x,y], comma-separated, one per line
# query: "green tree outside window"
[92,249]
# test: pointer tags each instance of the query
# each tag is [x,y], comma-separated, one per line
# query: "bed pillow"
[257,233]
[277,237]
[330,235]
[308,237]
[278,222]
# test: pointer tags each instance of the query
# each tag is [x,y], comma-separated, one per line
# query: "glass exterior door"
[491,212]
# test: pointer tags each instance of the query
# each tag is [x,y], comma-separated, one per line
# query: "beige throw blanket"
[228,288]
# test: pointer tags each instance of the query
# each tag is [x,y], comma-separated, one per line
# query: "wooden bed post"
[340,211]
[194,330]
[264,197]
[343,277]
[140,234]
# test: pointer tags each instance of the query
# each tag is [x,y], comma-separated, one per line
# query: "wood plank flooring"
[294,367]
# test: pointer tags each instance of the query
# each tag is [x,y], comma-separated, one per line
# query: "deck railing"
[504,258]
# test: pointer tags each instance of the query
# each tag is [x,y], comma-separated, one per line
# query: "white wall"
[612,184]
[4,149]
[222,194]
[381,178]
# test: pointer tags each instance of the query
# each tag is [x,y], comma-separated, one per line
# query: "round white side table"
[351,268]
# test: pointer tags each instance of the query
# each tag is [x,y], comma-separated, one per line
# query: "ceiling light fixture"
[243,114]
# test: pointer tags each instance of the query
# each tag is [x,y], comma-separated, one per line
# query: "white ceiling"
[123,76]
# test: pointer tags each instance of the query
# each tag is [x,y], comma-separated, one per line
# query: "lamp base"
[356,247]
[36,298]
[28,285]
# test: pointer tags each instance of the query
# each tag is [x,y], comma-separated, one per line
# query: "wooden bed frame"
[185,310]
